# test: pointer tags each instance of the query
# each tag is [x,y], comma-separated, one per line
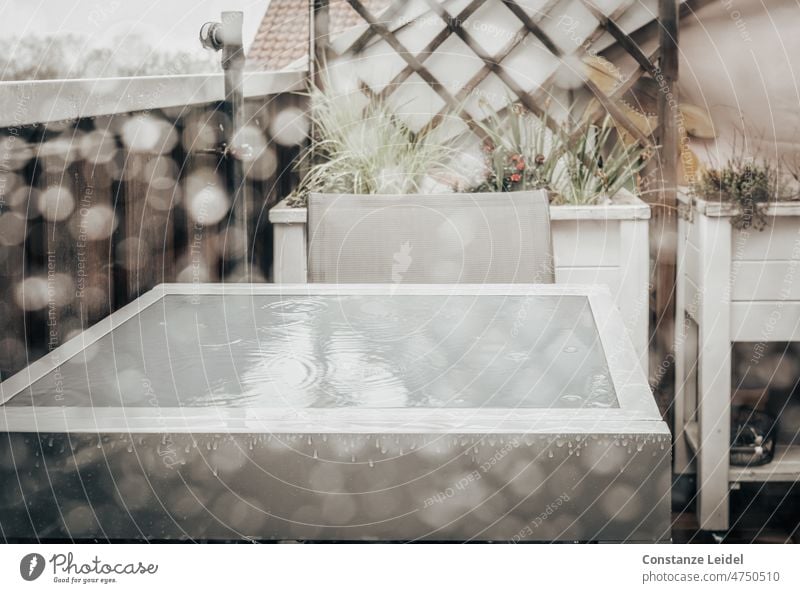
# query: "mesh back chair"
[449,238]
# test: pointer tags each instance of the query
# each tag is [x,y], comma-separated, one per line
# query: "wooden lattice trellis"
[661,64]
[454,24]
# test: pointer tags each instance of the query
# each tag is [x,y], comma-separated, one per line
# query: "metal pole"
[319,16]
[227,36]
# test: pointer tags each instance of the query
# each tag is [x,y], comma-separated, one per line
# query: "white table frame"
[637,407]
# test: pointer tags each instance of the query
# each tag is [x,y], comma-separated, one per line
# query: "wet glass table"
[351,412]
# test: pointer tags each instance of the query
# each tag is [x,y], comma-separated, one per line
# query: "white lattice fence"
[474,56]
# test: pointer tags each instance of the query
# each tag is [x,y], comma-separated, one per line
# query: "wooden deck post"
[665,210]
[714,374]
[318,40]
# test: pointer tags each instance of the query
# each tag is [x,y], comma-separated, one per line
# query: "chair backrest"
[442,238]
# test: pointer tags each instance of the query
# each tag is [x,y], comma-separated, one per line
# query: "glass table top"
[323,351]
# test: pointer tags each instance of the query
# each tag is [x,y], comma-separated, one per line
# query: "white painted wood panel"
[582,243]
[682,459]
[290,264]
[691,264]
[765,281]
[765,321]
[693,235]
[589,275]
[693,298]
[714,374]
[780,240]
[633,293]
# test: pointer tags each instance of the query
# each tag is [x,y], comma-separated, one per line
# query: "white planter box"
[606,245]
[732,286]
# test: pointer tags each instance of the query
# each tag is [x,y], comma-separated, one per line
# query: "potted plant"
[738,258]
[599,227]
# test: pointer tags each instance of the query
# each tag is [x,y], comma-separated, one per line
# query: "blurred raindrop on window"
[9,181]
[161,172]
[206,200]
[263,166]
[98,146]
[289,127]
[25,200]
[201,131]
[12,228]
[56,203]
[59,153]
[249,143]
[16,152]
[31,293]
[145,133]
[95,223]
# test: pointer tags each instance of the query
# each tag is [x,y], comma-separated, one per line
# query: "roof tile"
[282,36]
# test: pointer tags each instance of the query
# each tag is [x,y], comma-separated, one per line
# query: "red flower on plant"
[516,177]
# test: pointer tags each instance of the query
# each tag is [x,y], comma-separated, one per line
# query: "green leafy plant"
[521,151]
[747,183]
[582,163]
[361,147]
[598,165]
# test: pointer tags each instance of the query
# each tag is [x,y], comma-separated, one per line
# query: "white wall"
[740,59]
